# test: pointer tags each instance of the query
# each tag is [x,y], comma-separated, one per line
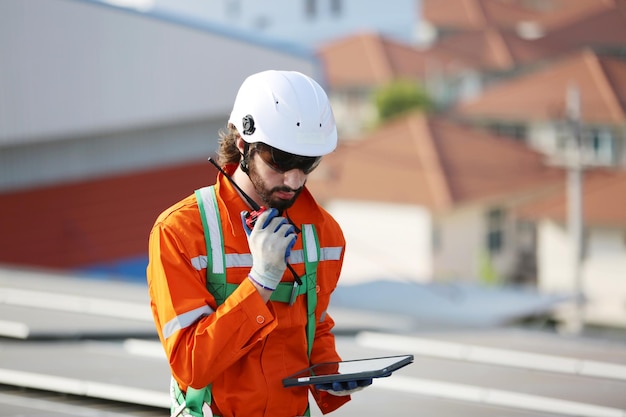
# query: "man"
[240,305]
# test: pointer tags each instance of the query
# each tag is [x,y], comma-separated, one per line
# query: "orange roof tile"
[603,27]
[487,49]
[478,14]
[431,162]
[366,60]
[489,39]
[541,94]
[604,200]
[472,14]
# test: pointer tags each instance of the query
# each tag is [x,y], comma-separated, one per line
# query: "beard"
[266,193]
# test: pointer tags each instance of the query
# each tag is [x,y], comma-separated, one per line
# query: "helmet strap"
[245,158]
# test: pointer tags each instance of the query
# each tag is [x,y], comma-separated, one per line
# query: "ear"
[241,144]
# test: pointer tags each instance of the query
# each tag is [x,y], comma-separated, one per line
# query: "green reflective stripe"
[209,212]
[281,294]
[311,255]
[207,204]
[191,402]
[195,398]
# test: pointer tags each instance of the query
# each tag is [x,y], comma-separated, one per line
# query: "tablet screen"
[348,370]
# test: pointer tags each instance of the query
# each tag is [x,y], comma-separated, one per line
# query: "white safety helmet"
[286,110]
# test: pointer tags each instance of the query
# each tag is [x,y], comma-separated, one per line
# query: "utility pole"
[575,219]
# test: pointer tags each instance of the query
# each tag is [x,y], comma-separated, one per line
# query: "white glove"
[270,243]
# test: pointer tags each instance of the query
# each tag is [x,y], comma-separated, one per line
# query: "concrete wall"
[88,89]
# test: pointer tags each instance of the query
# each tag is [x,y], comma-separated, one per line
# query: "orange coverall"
[245,347]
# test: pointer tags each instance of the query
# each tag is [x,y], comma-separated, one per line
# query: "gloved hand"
[270,241]
[341,389]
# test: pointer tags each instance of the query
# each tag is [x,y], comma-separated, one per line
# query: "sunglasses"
[281,161]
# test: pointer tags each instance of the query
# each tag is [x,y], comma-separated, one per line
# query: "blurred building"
[513,70]
[534,107]
[603,264]
[107,116]
[305,22]
[426,199]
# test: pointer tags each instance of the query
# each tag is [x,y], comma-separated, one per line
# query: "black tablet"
[326,372]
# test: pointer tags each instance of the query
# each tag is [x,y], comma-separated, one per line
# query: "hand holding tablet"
[347,372]
[341,389]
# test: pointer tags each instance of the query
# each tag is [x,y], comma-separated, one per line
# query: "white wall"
[461,238]
[554,258]
[542,137]
[88,89]
[384,241]
[603,273]
[72,67]
[286,19]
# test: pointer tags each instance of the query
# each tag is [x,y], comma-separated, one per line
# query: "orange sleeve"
[200,340]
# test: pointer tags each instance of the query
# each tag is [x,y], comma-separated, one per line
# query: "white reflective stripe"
[309,237]
[185,320]
[296,257]
[234,260]
[212,218]
[323,316]
[199,262]
[331,254]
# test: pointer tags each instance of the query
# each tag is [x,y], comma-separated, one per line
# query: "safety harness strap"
[213,238]
[190,404]
[311,257]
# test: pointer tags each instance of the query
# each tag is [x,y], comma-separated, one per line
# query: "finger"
[281,222]
[289,247]
[290,230]
[365,382]
[267,216]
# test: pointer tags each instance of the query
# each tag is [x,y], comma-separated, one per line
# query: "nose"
[294,178]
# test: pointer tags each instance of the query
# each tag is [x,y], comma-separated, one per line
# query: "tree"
[399,97]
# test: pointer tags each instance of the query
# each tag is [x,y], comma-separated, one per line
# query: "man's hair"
[227,152]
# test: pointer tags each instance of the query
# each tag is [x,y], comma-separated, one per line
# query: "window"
[602,146]
[233,9]
[335,8]
[310,8]
[516,131]
[597,144]
[495,230]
